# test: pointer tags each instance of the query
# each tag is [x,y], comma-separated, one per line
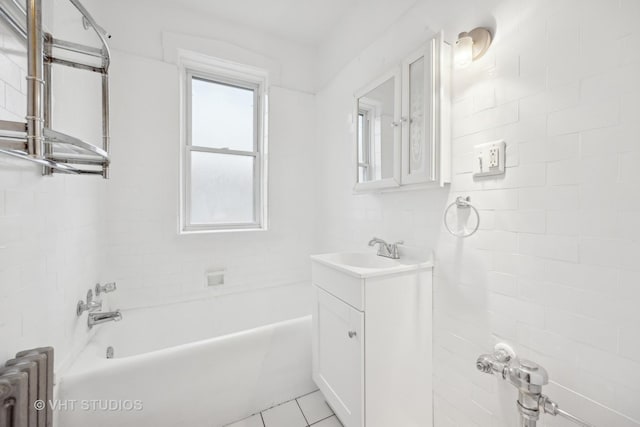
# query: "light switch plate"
[489,159]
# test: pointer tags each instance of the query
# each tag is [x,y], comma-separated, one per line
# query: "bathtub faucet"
[104,317]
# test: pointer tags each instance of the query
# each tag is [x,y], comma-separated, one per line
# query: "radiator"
[25,380]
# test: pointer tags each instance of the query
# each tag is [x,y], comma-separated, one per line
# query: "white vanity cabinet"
[339,337]
[372,342]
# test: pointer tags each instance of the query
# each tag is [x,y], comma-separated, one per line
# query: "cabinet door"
[338,352]
[425,115]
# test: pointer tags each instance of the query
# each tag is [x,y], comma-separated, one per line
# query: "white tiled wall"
[59,236]
[554,269]
[147,257]
[51,234]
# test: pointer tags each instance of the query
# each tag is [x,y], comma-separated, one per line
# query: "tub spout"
[98,318]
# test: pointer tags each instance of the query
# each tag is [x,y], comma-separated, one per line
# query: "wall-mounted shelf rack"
[35,140]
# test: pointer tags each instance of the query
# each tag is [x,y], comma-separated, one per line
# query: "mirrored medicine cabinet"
[402,120]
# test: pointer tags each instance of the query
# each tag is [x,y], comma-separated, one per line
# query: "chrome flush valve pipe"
[494,363]
[550,407]
[529,378]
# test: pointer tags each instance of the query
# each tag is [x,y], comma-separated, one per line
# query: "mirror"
[375,133]
[378,133]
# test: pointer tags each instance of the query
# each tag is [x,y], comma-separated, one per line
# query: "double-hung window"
[223,159]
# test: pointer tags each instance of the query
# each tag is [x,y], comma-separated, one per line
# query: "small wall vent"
[215,277]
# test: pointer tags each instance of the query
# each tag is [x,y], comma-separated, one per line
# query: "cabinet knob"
[396,124]
[352,334]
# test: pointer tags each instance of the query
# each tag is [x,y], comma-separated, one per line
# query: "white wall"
[345,220]
[554,269]
[55,240]
[51,229]
[147,257]
[140,27]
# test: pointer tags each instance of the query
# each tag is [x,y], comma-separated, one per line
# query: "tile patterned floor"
[305,411]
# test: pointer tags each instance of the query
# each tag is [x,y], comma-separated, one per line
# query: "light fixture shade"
[464,51]
[471,46]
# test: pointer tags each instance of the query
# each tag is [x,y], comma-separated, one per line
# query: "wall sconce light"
[471,46]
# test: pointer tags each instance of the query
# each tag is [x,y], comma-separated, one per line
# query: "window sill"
[189,231]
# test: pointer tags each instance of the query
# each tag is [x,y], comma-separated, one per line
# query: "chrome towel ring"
[463,203]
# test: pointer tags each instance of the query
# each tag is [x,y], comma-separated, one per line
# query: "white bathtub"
[200,363]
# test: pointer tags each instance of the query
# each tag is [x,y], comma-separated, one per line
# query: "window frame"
[239,76]
[372,112]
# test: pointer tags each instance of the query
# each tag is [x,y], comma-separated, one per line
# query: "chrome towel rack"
[462,204]
[35,140]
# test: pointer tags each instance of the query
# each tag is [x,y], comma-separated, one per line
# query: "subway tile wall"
[147,257]
[556,271]
[150,261]
[554,268]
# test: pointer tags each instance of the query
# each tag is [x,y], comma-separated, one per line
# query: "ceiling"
[306,21]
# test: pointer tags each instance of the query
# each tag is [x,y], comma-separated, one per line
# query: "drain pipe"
[529,378]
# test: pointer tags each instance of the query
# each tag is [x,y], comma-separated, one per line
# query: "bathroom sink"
[368,264]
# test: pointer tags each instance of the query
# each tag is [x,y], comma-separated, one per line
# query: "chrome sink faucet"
[103,317]
[385,249]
